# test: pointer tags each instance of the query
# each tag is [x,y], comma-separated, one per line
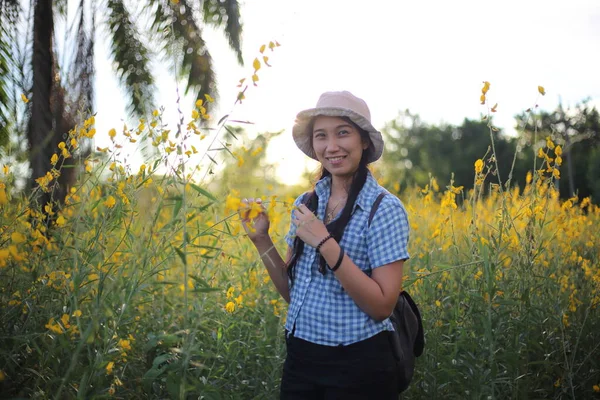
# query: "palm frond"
[81,85]
[9,12]
[225,12]
[131,57]
[183,41]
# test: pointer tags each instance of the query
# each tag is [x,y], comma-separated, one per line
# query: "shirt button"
[307,280]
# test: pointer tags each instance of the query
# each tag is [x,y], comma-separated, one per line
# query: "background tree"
[59,92]
[414,150]
[577,130]
[8,15]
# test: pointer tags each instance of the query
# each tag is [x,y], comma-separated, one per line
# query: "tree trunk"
[570,172]
[40,135]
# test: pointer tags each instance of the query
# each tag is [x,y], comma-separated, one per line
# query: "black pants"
[363,370]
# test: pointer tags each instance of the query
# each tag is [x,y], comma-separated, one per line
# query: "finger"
[303,209]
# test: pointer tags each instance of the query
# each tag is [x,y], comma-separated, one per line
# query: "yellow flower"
[596,388]
[124,344]
[112,133]
[77,313]
[110,202]
[478,166]
[195,114]
[208,98]
[486,87]
[109,368]
[558,160]
[239,299]
[232,203]
[65,320]
[17,238]
[558,151]
[54,327]
[24,98]
[556,173]
[438,303]
[89,122]
[3,198]
[54,159]
[60,221]
[541,153]
[230,292]
[230,307]
[542,90]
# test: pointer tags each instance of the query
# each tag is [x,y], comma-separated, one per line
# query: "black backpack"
[407,339]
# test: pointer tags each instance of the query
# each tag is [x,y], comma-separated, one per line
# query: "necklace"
[329,215]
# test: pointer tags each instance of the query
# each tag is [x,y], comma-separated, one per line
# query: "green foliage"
[577,130]
[8,13]
[144,286]
[417,150]
[132,58]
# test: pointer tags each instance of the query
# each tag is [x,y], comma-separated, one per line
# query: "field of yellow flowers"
[144,286]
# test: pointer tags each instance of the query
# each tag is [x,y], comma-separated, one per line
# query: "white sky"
[428,56]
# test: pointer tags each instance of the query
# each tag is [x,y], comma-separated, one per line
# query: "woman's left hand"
[309,228]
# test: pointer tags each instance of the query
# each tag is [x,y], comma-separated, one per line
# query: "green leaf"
[203,192]
[223,119]
[230,132]
[182,255]
[178,205]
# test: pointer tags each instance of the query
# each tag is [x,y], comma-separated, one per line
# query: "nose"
[332,144]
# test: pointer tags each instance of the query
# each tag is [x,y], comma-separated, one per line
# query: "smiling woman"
[341,275]
[338,145]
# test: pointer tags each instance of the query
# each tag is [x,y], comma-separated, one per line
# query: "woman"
[342,275]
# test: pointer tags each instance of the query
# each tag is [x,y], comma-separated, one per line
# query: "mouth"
[335,160]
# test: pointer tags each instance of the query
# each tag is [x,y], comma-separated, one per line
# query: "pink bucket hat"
[337,104]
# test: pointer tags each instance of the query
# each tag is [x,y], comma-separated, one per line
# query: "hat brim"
[302,137]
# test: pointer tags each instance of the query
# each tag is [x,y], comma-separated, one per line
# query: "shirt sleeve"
[291,235]
[388,235]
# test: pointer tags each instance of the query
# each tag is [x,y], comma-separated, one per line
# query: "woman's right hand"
[258,227]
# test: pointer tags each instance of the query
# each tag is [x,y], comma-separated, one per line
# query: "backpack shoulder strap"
[306,197]
[375,206]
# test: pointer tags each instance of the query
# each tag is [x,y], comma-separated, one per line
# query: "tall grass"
[143,286]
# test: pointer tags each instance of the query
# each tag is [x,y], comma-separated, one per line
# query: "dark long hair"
[337,227]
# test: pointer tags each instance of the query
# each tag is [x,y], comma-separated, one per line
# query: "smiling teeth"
[335,158]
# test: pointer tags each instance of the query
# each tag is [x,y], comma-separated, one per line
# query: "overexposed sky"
[428,56]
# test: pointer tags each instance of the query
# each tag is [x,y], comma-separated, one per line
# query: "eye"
[318,135]
[343,132]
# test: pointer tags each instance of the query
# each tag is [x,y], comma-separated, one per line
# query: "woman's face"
[337,145]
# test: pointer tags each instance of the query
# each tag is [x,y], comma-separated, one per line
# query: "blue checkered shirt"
[320,310]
